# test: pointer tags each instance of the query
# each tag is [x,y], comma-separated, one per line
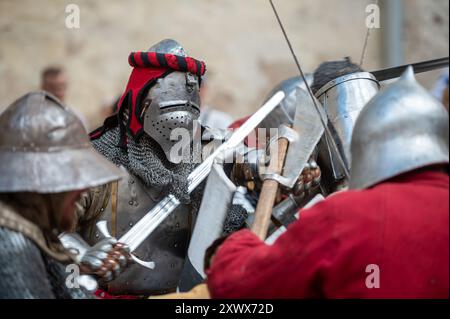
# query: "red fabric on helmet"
[165,60]
[139,78]
[148,67]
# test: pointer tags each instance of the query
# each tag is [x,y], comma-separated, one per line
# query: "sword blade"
[144,227]
[199,174]
[419,67]
[147,224]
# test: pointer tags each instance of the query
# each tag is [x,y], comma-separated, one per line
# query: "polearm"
[262,216]
[147,224]
[419,67]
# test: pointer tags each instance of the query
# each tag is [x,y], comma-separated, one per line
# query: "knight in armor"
[162,95]
[342,88]
[375,240]
[46,163]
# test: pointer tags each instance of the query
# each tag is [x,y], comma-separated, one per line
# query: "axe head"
[306,131]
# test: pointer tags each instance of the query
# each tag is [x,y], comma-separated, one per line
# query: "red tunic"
[401,226]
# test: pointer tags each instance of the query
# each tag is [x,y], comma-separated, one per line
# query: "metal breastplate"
[166,246]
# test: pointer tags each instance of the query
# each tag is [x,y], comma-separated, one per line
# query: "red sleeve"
[245,267]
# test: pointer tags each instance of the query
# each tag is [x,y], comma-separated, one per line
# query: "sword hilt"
[102,227]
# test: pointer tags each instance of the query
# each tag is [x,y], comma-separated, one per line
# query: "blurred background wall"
[240,41]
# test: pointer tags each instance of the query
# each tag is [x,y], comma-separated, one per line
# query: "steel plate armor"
[401,129]
[166,246]
[172,103]
[343,99]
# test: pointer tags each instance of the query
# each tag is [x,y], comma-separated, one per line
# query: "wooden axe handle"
[268,194]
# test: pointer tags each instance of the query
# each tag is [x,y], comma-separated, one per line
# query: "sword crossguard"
[102,227]
[146,264]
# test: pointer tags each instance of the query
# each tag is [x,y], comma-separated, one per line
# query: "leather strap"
[114,192]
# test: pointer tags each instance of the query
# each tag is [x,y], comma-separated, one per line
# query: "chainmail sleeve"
[23,274]
[58,275]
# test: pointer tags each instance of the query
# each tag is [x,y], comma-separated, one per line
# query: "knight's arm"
[243,266]
[107,258]
[23,273]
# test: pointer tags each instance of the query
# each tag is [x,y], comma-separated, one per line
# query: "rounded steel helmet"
[172,103]
[401,129]
[44,148]
[343,99]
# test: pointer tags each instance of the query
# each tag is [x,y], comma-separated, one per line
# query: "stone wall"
[240,41]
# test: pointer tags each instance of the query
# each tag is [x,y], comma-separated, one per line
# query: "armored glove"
[106,259]
[247,174]
[309,178]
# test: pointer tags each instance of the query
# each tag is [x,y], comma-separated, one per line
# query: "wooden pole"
[269,191]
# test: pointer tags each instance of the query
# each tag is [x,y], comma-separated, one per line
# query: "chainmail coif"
[107,145]
[145,159]
[148,161]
